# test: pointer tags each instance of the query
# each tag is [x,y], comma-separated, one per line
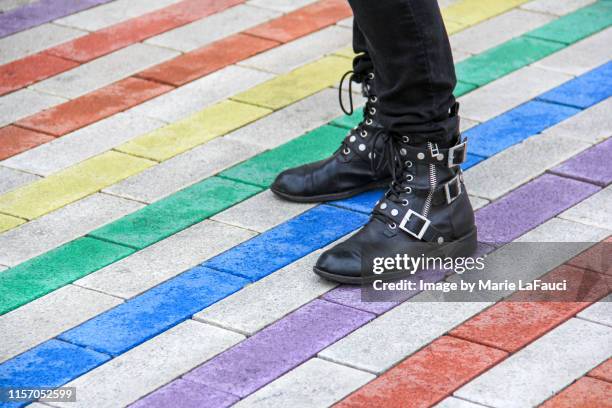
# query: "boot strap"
[450,157]
[445,193]
[420,227]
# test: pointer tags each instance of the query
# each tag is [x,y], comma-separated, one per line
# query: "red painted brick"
[584,393]
[512,324]
[203,61]
[138,29]
[303,21]
[428,376]
[598,258]
[15,140]
[23,72]
[94,106]
[603,371]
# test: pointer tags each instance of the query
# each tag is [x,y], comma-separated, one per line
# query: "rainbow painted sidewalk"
[144,261]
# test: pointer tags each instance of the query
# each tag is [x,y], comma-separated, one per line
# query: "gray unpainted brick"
[453,402]
[600,312]
[11,179]
[284,6]
[595,210]
[555,7]
[591,126]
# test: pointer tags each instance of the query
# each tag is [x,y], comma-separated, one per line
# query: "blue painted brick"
[585,90]
[515,126]
[362,203]
[50,364]
[471,161]
[155,311]
[287,242]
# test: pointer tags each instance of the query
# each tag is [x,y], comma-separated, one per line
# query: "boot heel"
[464,246]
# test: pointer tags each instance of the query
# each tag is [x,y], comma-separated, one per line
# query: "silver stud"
[383,206]
[440,240]
[352,138]
[440,157]
[394,212]
[403,152]
[421,156]
[362,147]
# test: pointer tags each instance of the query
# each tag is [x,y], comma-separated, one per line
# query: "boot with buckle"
[355,167]
[426,210]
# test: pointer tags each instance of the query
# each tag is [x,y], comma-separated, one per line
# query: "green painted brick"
[347,121]
[262,169]
[176,212]
[462,88]
[54,269]
[504,59]
[577,25]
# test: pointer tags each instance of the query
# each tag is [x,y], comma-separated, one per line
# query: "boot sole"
[333,196]
[464,246]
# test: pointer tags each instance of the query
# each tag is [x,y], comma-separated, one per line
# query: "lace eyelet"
[369,121]
[409,177]
[405,202]
[392,225]
[371,75]
[405,139]
[364,133]
[408,164]
[374,99]
[346,151]
[408,189]
[372,111]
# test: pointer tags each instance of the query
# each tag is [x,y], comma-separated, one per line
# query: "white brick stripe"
[11,179]
[284,6]
[595,210]
[558,8]
[600,312]
[25,102]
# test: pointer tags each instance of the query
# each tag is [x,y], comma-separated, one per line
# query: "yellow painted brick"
[470,12]
[453,27]
[72,184]
[298,84]
[199,128]
[7,222]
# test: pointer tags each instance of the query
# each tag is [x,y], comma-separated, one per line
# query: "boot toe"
[340,261]
[289,182]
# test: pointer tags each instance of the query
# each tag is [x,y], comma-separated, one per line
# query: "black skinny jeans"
[406,44]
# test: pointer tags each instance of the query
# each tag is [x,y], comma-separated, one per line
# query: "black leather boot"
[425,212]
[354,168]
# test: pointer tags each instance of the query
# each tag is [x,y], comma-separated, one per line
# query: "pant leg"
[408,45]
[362,63]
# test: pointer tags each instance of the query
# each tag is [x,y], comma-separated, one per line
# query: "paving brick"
[598,258]
[135,374]
[189,393]
[70,185]
[590,166]
[155,311]
[176,212]
[592,125]
[258,305]
[263,169]
[138,29]
[284,6]
[61,226]
[498,30]
[427,376]
[54,269]
[515,126]
[519,164]
[556,8]
[582,56]
[559,230]
[151,266]
[190,98]
[316,383]
[408,327]
[7,5]
[545,197]
[477,202]
[82,144]
[452,402]
[194,130]
[104,71]
[94,106]
[298,84]
[11,179]
[24,102]
[8,222]
[287,242]
[50,364]
[584,393]
[462,88]
[543,368]
[577,25]
[48,316]
[290,122]
[34,40]
[213,28]
[363,202]
[600,312]
[508,92]
[301,51]
[603,371]
[278,348]
[203,61]
[3,268]
[14,140]
[261,212]
[503,59]
[111,13]
[303,21]
[470,12]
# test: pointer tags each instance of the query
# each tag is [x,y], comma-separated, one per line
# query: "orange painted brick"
[584,393]
[603,371]
[15,140]
[94,106]
[139,29]
[512,324]
[23,72]
[427,376]
[195,64]
[303,21]
[598,258]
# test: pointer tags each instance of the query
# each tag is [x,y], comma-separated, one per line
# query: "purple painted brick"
[279,348]
[186,394]
[592,165]
[528,206]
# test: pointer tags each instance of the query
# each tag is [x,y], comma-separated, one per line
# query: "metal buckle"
[405,220]
[451,154]
[455,180]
